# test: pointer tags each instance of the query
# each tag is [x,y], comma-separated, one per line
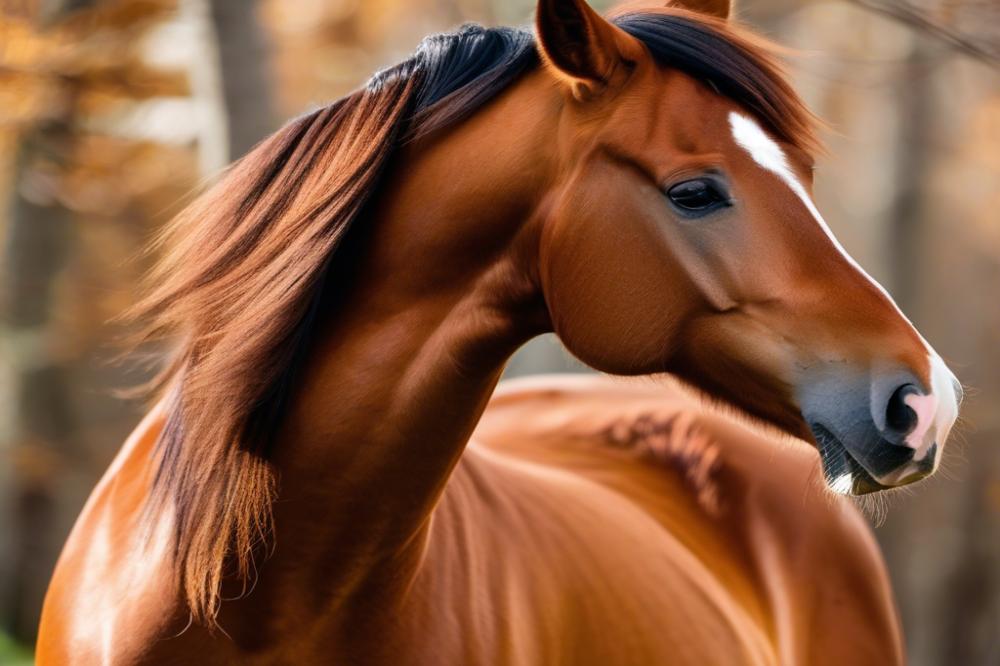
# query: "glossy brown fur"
[311,443]
[586,516]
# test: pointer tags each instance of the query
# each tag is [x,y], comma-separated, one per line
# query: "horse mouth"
[843,473]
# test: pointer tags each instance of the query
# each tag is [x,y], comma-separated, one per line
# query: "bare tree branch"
[920,20]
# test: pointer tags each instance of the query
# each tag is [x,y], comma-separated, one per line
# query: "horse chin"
[842,471]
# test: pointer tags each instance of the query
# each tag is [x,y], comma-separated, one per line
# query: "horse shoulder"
[815,557]
[92,612]
[829,580]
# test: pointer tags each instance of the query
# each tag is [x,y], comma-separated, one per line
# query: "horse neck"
[443,291]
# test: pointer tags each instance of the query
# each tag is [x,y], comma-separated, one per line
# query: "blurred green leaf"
[13,654]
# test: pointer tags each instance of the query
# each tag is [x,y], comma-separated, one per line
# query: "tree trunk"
[244,62]
[230,80]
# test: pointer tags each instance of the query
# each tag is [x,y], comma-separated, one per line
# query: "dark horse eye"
[700,195]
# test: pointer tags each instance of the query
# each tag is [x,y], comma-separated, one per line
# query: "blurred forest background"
[112,112]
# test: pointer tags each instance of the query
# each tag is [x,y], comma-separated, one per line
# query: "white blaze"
[768,154]
[940,408]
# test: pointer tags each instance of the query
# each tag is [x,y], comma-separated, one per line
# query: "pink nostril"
[923,407]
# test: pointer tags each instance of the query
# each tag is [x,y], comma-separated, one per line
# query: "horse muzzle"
[883,430]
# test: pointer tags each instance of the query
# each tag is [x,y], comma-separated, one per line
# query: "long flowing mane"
[238,293]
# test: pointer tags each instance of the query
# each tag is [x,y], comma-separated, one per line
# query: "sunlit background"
[112,112]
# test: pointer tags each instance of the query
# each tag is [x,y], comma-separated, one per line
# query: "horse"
[340,307]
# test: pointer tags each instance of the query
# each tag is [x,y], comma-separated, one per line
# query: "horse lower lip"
[834,454]
[863,481]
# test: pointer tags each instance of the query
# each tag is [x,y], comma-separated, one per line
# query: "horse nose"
[882,429]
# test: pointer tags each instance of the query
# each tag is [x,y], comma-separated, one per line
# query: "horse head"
[682,236]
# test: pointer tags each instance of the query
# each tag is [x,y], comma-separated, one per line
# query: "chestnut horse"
[342,305]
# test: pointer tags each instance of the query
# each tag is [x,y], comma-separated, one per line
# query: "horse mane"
[239,291]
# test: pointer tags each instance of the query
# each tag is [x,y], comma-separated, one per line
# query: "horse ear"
[719,8]
[580,46]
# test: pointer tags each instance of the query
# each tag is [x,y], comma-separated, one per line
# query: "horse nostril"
[900,417]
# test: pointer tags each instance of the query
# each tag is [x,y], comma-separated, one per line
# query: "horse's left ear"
[581,47]
[719,8]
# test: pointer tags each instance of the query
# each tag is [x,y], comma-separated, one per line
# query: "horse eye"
[700,195]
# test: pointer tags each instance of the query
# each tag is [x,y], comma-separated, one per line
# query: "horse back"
[748,503]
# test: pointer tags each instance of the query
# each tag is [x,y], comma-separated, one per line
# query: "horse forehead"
[668,110]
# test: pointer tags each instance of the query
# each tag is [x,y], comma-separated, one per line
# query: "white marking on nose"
[768,154]
[943,384]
